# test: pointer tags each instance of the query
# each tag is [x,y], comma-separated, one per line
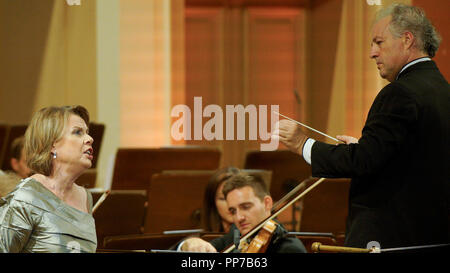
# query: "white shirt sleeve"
[180,245]
[307,147]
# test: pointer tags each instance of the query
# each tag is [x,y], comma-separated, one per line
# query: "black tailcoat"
[399,194]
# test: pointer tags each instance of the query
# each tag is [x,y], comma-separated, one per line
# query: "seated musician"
[18,160]
[10,179]
[215,214]
[250,203]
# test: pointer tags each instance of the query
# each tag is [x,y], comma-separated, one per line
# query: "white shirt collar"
[424,59]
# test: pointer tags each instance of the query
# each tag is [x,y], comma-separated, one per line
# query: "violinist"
[249,203]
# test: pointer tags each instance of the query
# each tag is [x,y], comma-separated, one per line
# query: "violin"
[266,228]
[261,241]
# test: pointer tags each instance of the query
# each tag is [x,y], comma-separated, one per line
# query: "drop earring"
[54,155]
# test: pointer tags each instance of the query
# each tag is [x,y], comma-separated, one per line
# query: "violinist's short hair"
[47,127]
[256,182]
[17,147]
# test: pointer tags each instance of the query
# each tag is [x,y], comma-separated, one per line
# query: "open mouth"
[90,153]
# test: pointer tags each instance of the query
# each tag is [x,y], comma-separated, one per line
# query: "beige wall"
[23,43]
[151,68]
[108,82]
[48,57]
[55,54]
[323,32]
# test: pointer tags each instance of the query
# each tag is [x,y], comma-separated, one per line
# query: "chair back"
[175,199]
[121,213]
[134,167]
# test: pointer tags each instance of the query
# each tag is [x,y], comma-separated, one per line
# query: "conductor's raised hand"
[290,134]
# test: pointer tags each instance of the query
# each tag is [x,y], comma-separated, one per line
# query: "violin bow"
[100,200]
[258,227]
[290,194]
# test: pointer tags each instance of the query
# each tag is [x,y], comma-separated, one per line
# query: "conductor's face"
[248,210]
[387,51]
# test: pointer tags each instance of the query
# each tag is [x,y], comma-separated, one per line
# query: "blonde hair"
[47,127]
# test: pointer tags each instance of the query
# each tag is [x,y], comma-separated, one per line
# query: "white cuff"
[307,147]
[180,245]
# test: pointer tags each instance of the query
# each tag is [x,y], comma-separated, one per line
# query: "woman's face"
[222,207]
[75,146]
